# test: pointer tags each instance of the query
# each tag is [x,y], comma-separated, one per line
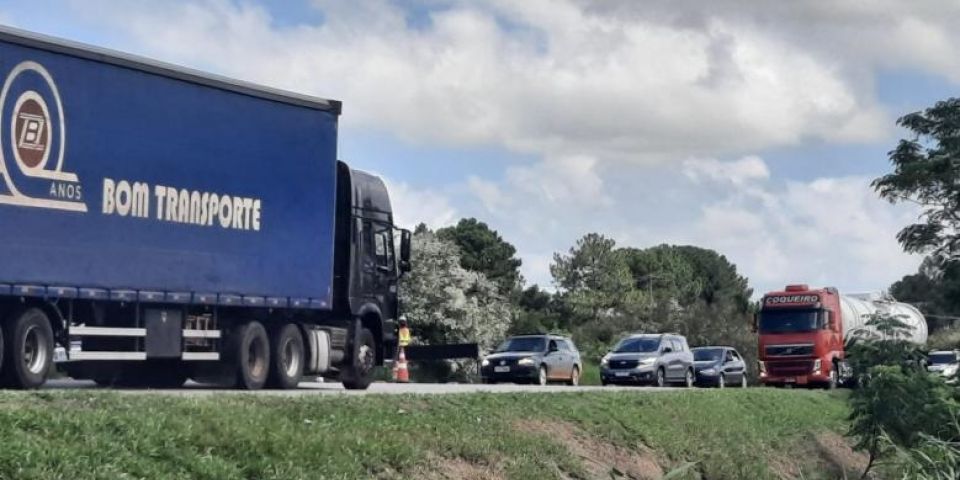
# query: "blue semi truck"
[159,224]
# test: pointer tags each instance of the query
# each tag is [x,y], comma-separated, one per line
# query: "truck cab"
[801,337]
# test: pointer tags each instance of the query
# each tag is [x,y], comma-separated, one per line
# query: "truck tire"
[288,358]
[250,352]
[358,375]
[28,349]
[834,377]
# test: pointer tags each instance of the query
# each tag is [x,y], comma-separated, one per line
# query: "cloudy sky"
[753,128]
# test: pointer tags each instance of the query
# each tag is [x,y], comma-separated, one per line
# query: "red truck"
[804,333]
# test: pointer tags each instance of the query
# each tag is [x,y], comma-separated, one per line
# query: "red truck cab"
[801,337]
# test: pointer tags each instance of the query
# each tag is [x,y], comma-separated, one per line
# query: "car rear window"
[523,344]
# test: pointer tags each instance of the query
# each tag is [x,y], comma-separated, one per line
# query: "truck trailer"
[161,224]
[804,333]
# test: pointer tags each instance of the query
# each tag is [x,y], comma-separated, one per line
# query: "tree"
[934,289]
[898,404]
[927,172]
[540,312]
[446,303]
[594,279]
[484,250]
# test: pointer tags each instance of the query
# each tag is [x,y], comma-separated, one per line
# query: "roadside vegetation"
[907,420]
[696,434]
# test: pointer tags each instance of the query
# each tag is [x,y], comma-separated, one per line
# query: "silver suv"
[658,360]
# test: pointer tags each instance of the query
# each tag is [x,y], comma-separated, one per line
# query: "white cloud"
[557,79]
[738,173]
[413,206]
[829,231]
[825,231]
[624,107]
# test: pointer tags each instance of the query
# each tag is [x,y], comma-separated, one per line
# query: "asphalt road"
[311,388]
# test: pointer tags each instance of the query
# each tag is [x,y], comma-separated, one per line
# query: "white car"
[944,363]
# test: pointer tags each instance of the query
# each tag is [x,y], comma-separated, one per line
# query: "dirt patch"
[601,460]
[838,452]
[826,452]
[458,469]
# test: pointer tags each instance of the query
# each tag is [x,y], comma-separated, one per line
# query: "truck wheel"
[286,348]
[251,352]
[358,375]
[575,377]
[834,378]
[29,349]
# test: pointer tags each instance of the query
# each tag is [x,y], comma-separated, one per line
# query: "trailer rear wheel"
[359,374]
[251,354]
[287,352]
[28,348]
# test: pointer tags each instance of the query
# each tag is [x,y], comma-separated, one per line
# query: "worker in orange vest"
[400,372]
[404,333]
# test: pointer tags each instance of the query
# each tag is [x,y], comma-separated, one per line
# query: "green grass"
[590,374]
[730,434]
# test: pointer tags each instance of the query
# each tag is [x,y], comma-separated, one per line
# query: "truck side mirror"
[405,240]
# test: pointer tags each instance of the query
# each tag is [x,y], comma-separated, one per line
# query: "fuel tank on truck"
[857,309]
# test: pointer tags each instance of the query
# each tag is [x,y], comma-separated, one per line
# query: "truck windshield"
[942,358]
[523,344]
[787,321]
[637,345]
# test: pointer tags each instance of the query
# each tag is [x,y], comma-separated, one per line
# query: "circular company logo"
[30,131]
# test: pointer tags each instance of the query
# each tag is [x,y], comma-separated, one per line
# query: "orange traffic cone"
[400,372]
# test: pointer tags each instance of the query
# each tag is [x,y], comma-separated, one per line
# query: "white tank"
[856,311]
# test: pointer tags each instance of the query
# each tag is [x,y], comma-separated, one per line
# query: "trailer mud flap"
[164,333]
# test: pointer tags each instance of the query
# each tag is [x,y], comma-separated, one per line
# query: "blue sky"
[754,131]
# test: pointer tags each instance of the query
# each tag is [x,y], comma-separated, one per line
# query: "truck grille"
[624,364]
[789,350]
[790,369]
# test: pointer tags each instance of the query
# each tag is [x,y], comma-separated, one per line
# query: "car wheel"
[722,381]
[661,378]
[689,379]
[542,375]
[575,377]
